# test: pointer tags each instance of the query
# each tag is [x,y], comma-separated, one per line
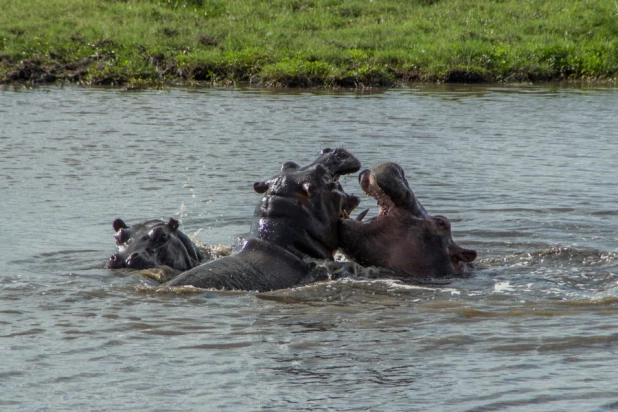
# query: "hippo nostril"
[138,260]
[461,256]
[115,262]
[134,260]
[469,255]
[260,187]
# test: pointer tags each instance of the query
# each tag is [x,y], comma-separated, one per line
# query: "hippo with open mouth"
[403,235]
[152,244]
[298,218]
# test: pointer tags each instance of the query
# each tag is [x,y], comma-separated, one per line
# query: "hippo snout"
[151,244]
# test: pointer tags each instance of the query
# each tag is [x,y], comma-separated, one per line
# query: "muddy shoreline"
[90,72]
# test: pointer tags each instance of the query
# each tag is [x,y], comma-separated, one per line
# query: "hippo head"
[338,162]
[301,208]
[402,235]
[152,244]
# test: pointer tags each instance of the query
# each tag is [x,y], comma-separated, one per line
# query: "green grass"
[333,43]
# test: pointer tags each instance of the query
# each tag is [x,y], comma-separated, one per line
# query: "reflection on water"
[526,175]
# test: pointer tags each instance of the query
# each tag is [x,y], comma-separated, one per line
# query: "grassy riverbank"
[340,43]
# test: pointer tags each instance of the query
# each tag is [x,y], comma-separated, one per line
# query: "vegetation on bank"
[298,43]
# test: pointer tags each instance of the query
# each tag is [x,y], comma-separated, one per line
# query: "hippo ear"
[321,169]
[327,150]
[261,187]
[119,224]
[173,224]
[289,165]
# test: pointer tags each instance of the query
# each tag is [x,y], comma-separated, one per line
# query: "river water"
[527,175]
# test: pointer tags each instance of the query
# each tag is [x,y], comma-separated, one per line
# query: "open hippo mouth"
[402,235]
[386,183]
[371,188]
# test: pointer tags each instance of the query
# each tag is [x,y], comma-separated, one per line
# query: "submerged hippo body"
[152,244]
[260,265]
[296,219]
[403,235]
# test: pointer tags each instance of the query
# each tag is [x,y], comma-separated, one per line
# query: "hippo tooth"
[361,215]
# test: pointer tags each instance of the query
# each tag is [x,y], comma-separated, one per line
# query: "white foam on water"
[503,286]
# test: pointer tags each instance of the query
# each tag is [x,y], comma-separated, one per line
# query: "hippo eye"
[327,150]
[441,222]
[289,165]
[122,236]
[158,234]
[331,186]
[309,189]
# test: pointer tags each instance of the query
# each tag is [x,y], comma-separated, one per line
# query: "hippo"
[152,244]
[337,162]
[403,235]
[297,219]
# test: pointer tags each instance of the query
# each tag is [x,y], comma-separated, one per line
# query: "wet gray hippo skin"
[337,162]
[403,235]
[151,244]
[298,218]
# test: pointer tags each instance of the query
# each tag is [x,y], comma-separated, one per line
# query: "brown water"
[527,175]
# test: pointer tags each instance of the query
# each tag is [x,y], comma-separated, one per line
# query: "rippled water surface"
[527,175]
